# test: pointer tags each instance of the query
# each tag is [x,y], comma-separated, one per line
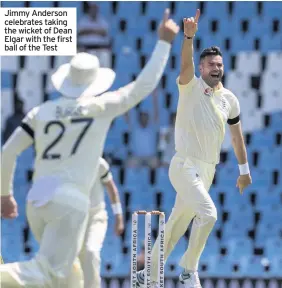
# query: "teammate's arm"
[127,97]
[15,145]
[116,205]
[106,178]
[187,71]
[239,147]
[21,139]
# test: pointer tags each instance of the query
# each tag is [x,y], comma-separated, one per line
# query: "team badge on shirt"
[208,92]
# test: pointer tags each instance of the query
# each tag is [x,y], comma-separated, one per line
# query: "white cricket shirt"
[69,134]
[201,118]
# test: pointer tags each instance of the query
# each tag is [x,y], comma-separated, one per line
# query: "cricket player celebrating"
[69,136]
[204,107]
[97,225]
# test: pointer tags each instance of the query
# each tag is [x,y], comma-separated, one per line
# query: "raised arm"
[187,71]
[129,96]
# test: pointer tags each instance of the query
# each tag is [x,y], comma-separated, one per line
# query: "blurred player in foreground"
[204,107]
[97,225]
[69,136]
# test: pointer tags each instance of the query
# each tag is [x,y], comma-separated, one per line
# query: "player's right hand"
[243,182]
[168,28]
[191,24]
[9,207]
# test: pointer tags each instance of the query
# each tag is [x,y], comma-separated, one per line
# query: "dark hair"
[211,51]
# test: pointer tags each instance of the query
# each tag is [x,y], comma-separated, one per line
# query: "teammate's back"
[69,135]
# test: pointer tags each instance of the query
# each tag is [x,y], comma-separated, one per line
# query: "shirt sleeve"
[29,122]
[117,103]
[184,89]
[104,171]
[15,145]
[234,115]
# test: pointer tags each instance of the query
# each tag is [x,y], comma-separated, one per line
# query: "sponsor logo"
[134,256]
[161,259]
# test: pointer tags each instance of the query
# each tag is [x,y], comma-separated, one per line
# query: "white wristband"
[117,209]
[244,169]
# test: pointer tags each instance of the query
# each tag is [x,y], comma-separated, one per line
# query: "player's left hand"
[243,181]
[9,207]
[119,225]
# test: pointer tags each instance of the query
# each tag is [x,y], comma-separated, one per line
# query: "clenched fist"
[191,24]
[243,182]
[9,207]
[168,28]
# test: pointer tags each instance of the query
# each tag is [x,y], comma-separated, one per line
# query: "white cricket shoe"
[140,279]
[190,280]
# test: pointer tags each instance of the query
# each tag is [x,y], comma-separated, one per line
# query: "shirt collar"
[208,89]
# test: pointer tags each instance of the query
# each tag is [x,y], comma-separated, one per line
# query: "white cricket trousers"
[89,257]
[59,227]
[191,178]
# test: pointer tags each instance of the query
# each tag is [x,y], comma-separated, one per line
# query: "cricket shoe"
[190,279]
[140,279]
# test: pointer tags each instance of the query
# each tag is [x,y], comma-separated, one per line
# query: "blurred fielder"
[204,107]
[69,136]
[97,225]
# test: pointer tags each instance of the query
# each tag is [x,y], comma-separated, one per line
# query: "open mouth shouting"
[215,75]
